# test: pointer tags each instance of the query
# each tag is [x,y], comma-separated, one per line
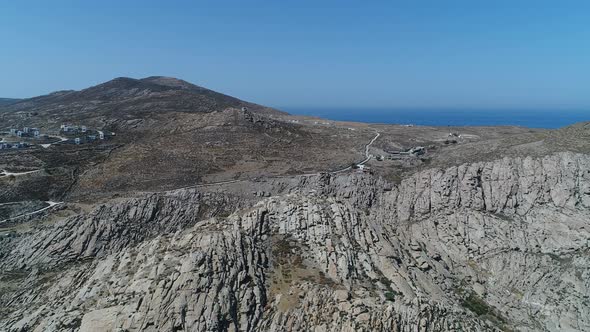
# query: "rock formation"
[488,246]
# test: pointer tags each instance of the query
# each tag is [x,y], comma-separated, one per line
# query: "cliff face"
[480,247]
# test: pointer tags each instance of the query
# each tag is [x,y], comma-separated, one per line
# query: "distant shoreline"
[455,118]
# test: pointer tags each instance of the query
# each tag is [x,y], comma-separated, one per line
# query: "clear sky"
[431,54]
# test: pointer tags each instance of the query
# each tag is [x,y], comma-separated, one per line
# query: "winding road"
[51,204]
[367,155]
[367,149]
[61,139]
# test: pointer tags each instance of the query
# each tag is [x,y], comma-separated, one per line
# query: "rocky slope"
[489,246]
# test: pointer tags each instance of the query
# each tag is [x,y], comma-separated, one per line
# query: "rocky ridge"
[487,246]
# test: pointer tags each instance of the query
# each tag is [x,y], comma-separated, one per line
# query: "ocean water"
[524,118]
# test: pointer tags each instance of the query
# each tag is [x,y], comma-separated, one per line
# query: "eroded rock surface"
[489,246]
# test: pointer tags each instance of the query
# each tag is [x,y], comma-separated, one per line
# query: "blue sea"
[524,118]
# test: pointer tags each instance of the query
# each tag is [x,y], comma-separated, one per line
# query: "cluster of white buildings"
[89,135]
[25,132]
[70,129]
[14,145]
[73,135]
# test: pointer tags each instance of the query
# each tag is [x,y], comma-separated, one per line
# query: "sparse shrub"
[476,305]
[390,296]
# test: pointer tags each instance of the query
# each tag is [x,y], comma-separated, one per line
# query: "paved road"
[51,204]
[61,139]
[367,155]
[7,173]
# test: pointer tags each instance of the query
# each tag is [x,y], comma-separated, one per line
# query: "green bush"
[477,305]
[390,296]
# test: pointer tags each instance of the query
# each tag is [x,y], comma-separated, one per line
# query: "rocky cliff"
[488,246]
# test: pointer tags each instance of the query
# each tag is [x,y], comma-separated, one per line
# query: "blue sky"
[385,54]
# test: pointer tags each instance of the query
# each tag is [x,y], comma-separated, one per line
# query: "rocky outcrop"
[488,246]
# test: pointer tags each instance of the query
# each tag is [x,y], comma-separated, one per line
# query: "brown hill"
[170,134]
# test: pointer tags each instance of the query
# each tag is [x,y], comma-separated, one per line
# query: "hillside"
[201,212]
[8,101]
[169,134]
[124,96]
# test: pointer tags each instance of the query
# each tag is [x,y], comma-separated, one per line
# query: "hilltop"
[128,96]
